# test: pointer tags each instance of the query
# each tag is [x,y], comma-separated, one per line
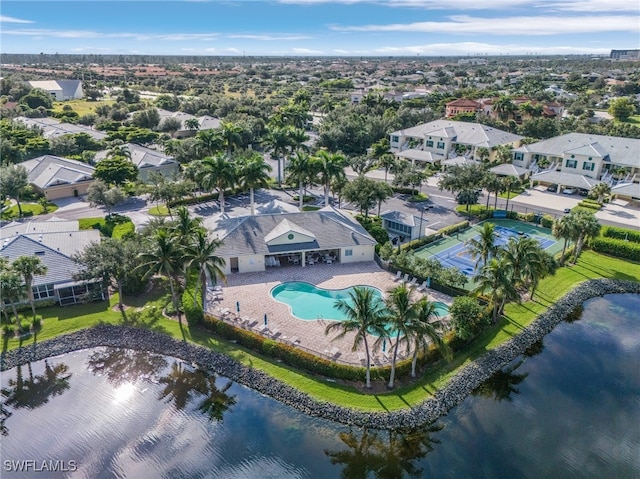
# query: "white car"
[568,191]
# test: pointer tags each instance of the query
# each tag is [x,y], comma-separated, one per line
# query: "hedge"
[589,205]
[193,200]
[307,361]
[616,247]
[123,229]
[448,230]
[547,221]
[620,233]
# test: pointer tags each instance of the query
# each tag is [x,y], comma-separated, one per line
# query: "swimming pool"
[308,302]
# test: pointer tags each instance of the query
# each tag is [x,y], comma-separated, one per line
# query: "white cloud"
[563,5]
[475,48]
[535,26]
[270,37]
[93,34]
[306,51]
[5,19]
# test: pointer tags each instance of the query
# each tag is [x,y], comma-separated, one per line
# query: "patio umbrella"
[238,306]
[384,345]
[428,282]
[265,319]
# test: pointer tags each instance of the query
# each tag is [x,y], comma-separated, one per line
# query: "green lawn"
[81,107]
[160,210]
[60,320]
[30,209]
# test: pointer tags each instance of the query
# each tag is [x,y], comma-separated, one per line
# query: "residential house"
[462,106]
[52,128]
[594,157]
[60,90]
[205,122]
[56,177]
[442,138]
[255,243]
[55,242]
[405,225]
[147,160]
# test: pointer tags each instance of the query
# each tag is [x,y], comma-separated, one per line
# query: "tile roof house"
[60,90]
[597,157]
[461,105]
[54,242]
[254,243]
[56,177]
[147,161]
[441,137]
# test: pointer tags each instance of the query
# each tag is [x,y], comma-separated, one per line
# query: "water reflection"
[183,385]
[121,366]
[502,384]
[385,454]
[35,391]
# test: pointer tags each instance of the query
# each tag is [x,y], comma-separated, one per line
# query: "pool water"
[309,302]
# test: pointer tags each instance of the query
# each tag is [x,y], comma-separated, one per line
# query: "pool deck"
[253,292]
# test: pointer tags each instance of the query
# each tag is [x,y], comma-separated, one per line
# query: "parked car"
[553,188]
[568,191]
[583,192]
[567,210]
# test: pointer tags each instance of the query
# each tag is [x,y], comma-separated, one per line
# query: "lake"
[569,408]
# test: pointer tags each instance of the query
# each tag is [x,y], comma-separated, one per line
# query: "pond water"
[570,408]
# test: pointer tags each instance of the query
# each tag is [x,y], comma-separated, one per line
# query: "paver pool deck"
[253,292]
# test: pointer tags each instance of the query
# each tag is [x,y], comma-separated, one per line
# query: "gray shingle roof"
[507,169]
[60,268]
[465,133]
[53,128]
[52,225]
[399,217]
[419,155]
[621,151]
[142,157]
[49,170]
[565,179]
[331,228]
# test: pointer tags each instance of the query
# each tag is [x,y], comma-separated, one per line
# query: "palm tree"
[510,183]
[330,165]
[184,227]
[365,315]
[402,312]
[254,173]
[12,289]
[200,256]
[529,262]
[496,279]
[231,135]
[303,168]
[425,325]
[483,153]
[563,228]
[483,247]
[218,172]
[491,182]
[164,257]
[503,106]
[192,124]
[388,162]
[277,139]
[209,142]
[28,267]
[587,227]
[600,191]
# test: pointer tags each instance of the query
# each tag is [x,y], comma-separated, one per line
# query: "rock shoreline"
[458,388]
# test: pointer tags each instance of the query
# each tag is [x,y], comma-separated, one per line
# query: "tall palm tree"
[388,162]
[402,312]
[28,267]
[219,173]
[231,134]
[164,257]
[510,183]
[496,279]
[200,257]
[600,191]
[209,142]
[365,315]
[491,182]
[503,106]
[484,247]
[303,168]
[587,226]
[529,262]
[425,326]
[277,139]
[330,165]
[13,291]
[563,228]
[185,226]
[254,173]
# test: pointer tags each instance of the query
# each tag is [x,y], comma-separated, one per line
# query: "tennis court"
[453,252]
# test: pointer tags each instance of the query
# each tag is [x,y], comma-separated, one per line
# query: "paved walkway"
[252,291]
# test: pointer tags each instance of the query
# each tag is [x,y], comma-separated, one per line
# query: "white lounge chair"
[405,278]
[398,276]
[422,287]
[413,282]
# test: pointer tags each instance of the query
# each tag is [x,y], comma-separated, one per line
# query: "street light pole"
[421,215]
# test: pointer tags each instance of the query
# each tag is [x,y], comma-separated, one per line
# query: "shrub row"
[547,221]
[449,230]
[404,191]
[616,247]
[307,361]
[591,205]
[193,200]
[620,233]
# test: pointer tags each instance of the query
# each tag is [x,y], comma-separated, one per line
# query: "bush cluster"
[616,247]
[620,233]
[373,225]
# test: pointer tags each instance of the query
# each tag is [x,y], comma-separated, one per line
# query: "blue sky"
[320,27]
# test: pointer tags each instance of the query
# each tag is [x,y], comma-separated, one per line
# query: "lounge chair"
[422,287]
[405,278]
[413,282]
[398,276]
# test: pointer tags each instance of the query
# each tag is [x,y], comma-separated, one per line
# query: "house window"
[571,163]
[348,252]
[290,236]
[518,156]
[587,166]
[441,145]
[395,139]
[429,143]
[43,291]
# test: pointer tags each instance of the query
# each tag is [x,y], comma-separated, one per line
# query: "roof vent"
[39,253]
